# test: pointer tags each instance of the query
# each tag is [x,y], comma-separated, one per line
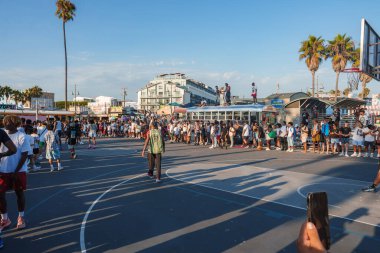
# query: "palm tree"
[312,50]
[66,12]
[6,92]
[340,50]
[18,96]
[35,92]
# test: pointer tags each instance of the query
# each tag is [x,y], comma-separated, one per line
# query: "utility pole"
[75,94]
[277,88]
[125,93]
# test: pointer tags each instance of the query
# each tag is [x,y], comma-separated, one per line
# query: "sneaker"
[346,155]
[370,188]
[36,167]
[354,155]
[158,181]
[292,150]
[341,154]
[378,156]
[51,169]
[60,168]
[5,223]
[365,155]
[21,223]
[267,149]
[371,155]
[360,155]
[211,147]
[149,175]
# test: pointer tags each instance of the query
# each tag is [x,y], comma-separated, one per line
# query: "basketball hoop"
[353,77]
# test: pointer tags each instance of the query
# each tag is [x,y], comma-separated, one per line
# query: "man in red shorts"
[13,171]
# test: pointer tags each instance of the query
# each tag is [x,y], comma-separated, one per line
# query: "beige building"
[173,89]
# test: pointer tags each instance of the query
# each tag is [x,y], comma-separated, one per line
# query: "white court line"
[265,200]
[83,226]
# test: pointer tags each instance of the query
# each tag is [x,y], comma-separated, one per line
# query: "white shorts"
[91,134]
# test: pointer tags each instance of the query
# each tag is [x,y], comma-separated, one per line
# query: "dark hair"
[49,127]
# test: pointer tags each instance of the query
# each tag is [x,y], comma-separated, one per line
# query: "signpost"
[277,103]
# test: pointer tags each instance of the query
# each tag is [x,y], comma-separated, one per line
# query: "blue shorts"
[334,141]
[357,143]
[345,140]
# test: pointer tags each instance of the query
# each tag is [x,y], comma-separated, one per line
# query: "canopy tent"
[349,103]
[308,103]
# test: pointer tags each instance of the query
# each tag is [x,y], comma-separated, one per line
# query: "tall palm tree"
[66,12]
[341,50]
[312,50]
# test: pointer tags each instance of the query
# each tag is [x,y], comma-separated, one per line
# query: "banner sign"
[7,107]
[277,103]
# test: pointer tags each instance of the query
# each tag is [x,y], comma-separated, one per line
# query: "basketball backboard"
[369,51]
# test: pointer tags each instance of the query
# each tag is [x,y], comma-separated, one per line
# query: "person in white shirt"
[36,148]
[369,140]
[283,137]
[41,131]
[58,130]
[246,133]
[291,136]
[13,171]
[213,135]
[358,139]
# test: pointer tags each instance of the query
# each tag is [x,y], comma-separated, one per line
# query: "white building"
[83,99]
[173,88]
[102,105]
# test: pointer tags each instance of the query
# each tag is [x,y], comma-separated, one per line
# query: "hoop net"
[353,77]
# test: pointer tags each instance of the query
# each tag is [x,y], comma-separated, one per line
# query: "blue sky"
[124,43]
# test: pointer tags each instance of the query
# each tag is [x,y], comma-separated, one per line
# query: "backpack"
[272,134]
[155,142]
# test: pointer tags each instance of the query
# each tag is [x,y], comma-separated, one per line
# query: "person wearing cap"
[155,150]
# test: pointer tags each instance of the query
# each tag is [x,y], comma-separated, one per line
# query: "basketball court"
[211,201]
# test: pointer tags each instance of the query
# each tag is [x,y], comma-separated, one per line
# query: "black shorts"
[36,151]
[369,144]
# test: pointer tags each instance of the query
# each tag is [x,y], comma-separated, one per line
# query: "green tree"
[313,51]
[66,12]
[340,50]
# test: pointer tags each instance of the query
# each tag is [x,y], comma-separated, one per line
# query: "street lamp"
[75,93]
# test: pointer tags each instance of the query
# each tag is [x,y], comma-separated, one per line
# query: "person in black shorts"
[344,134]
